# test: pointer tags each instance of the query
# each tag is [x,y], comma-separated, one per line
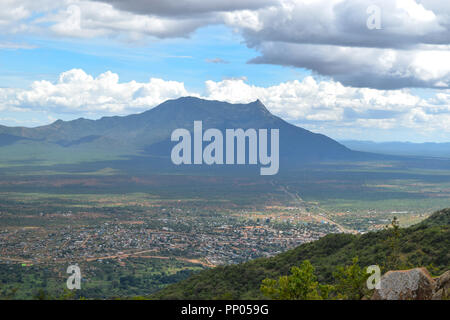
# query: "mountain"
[424,244]
[427,149]
[148,134]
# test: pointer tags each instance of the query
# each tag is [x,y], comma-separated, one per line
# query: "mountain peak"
[257,103]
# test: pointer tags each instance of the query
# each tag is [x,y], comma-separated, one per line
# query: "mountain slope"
[148,133]
[423,244]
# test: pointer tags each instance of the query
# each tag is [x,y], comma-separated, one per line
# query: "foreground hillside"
[425,244]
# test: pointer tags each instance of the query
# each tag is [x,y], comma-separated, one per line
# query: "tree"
[393,259]
[301,284]
[351,281]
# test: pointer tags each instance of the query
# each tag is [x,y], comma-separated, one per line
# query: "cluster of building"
[215,240]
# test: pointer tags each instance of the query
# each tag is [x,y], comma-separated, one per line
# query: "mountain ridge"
[148,133]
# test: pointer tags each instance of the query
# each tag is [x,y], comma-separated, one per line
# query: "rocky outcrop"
[413,284]
[442,287]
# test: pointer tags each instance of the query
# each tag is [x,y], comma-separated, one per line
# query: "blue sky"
[317,66]
[180,59]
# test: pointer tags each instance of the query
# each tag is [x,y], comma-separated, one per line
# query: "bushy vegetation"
[302,284]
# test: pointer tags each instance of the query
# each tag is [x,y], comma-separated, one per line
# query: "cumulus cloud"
[317,100]
[365,67]
[78,92]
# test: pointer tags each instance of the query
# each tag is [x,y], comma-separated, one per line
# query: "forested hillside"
[424,244]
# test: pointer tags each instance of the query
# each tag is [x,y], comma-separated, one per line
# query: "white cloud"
[312,100]
[365,67]
[243,19]
[77,92]
[13,13]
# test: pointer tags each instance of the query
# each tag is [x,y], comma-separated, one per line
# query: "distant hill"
[148,135]
[424,244]
[428,149]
